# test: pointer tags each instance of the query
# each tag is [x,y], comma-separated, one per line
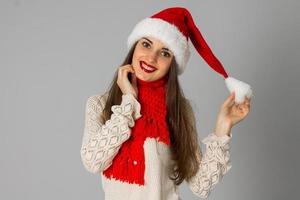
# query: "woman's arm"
[215,163]
[101,142]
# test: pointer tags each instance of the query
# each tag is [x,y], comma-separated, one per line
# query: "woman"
[141,134]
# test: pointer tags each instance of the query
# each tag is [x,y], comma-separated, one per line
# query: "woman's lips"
[147,68]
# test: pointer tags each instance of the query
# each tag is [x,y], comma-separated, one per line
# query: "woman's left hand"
[230,114]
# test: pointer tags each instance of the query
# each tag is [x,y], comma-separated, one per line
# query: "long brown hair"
[180,118]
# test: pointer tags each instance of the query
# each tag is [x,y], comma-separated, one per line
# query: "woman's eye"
[145,44]
[166,54]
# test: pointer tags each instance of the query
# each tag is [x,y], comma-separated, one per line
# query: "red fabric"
[129,164]
[182,19]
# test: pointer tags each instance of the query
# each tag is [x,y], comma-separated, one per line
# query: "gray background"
[55,54]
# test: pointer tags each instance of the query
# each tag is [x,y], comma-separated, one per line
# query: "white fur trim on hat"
[167,34]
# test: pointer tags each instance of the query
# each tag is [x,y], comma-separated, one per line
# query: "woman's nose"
[152,56]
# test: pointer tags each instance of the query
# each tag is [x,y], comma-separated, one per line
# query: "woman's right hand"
[123,81]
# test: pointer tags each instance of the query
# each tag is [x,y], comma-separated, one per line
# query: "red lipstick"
[147,68]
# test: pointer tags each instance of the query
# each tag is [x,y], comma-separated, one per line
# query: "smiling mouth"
[147,68]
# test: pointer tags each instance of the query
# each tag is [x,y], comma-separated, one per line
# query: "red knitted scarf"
[129,164]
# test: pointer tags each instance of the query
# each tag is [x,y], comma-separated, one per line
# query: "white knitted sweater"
[101,142]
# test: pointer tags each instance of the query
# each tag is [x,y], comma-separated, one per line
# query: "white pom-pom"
[240,88]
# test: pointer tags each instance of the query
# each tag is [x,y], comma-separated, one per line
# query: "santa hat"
[174,27]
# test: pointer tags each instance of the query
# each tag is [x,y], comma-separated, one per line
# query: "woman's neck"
[156,83]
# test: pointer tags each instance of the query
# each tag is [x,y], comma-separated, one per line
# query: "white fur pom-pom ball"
[240,88]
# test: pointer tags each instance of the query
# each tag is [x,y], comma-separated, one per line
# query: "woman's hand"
[230,114]
[123,81]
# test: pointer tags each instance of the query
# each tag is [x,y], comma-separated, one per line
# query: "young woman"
[141,135]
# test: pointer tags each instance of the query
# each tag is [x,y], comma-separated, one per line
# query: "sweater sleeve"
[214,164]
[101,142]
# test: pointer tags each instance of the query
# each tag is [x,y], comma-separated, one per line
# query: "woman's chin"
[143,77]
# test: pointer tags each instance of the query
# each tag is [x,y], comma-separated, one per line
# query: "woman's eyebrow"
[152,43]
[166,49]
[148,40]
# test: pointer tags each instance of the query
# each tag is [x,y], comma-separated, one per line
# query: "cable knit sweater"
[101,143]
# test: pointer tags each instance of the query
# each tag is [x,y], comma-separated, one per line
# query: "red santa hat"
[174,27]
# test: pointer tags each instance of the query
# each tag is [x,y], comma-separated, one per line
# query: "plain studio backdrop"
[55,54]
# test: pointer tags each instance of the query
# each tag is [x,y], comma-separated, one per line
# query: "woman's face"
[151,59]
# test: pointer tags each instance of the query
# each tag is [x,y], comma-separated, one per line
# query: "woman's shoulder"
[98,99]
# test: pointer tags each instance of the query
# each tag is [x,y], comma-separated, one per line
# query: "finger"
[246,105]
[245,109]
[236,111]
[126,69]
[239,111]
[130,67]
[230,100]
[247,102]
[239,107]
